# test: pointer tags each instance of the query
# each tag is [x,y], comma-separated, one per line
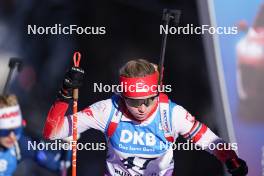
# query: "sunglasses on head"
[138,102]
[6,132]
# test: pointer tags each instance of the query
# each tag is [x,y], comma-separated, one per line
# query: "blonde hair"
[137,68]
[8,100]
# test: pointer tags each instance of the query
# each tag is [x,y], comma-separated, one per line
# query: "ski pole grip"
[235,163]
[75,94]
[76,61]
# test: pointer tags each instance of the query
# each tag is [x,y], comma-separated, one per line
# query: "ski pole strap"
[76,58]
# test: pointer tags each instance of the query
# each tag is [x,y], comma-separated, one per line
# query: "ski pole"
[167,16]
[76,60]
[13,63]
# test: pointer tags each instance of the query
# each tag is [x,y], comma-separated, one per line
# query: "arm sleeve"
[185,124]
[59,126]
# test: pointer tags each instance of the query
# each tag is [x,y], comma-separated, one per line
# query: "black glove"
[73,79]
[240,170]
